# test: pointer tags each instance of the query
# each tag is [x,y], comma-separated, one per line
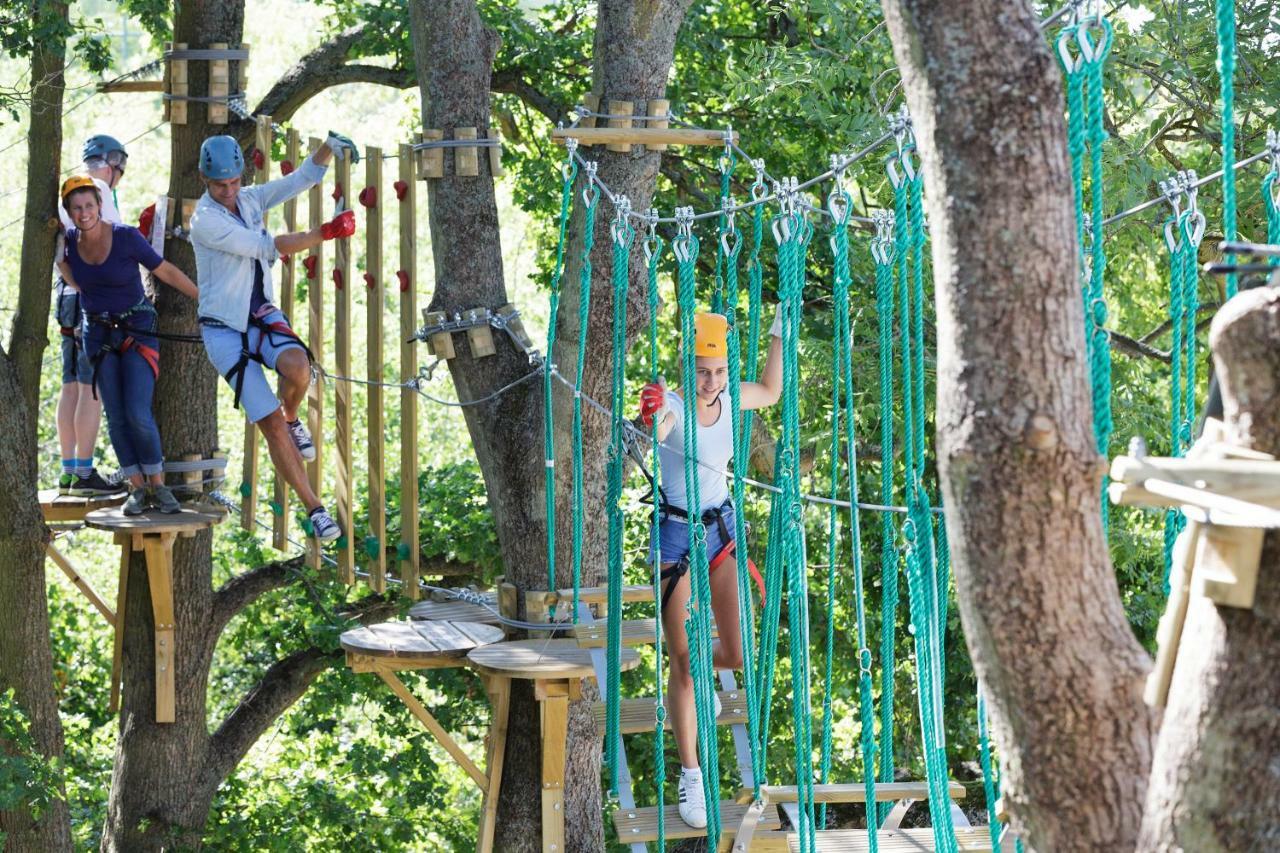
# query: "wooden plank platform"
[58,507]
[631,594]
[856,792]
[976,839]
[154,522]
[635,632]
[637,715]
[640,825]
[453,611]
[540,659]
[412,641]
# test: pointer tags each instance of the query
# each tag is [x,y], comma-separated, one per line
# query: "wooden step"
[631,594]
[637,715]
[639,825]
[976,839]
[635,632]
[886,792]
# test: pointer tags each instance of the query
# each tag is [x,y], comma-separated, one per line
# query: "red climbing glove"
[653,403]
[342,225]
[146,220]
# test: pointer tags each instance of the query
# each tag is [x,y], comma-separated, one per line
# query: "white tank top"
[715,450]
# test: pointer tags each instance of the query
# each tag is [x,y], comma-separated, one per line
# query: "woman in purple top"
[119,335]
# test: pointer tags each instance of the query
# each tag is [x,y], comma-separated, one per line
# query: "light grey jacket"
[226,248]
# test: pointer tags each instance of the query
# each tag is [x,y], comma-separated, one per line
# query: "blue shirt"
[259,297]
[115,285]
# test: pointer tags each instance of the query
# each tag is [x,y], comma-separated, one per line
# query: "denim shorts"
[222,345]
[673,537]
[75,362]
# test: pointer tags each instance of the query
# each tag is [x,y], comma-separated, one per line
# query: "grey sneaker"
[302,440]
[136,503]
[164,497]
[323,527]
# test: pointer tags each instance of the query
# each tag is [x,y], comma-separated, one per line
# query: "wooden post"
[125,541]
[499,690]
[159,553]
[620,108]
[219,85]
[176,111]
[465,162]
[280,493]
[432,158]
[553,701]
[343,488]
[495,153]
[591,102]
[249,477]
[315,331]
[658,106]
[376,296]
[409,556]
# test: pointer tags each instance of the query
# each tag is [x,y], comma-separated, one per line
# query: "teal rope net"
[591,195]
[1226,20]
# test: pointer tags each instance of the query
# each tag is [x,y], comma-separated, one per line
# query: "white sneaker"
[323,527]
[302,440]
[693,803]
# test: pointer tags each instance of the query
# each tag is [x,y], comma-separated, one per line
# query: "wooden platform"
[415,645]
[153,522]
[631,594]
[635,632]
[637,715]
[856,792]
[641,825]
[976,839]
[453,611]
[540,659]
[58,507]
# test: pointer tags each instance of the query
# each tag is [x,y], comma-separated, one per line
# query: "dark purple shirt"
[115,285]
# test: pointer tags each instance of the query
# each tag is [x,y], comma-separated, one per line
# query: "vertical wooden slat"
[465,162]
[376,296]
[219,85]
[280,504]
[620,108]
[432,159]
[658,106]
[315,333]
[408,398]
[249,474]
[342,487]
[178,86]
[495,154]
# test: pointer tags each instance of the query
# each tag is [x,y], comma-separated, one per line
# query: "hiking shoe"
[118,480]
[302,440]
[136,503]
[693,803]
[65,481]
[92,485]
[167,502]
[323,527]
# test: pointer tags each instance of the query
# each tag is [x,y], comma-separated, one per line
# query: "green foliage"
[27,778]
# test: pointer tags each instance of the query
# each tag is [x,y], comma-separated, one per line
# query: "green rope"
[653,254]
[698,625]
[1269,192]
[755,287]
[1226,14]
[990,786]
[622,236]
[569,171]
[592,196]
[728,161]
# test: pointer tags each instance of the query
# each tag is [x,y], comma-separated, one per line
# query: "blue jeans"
[126,384]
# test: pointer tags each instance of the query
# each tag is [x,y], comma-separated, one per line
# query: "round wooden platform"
[453,611]
[419,640]
[58,507]
[154,521]
[539,659]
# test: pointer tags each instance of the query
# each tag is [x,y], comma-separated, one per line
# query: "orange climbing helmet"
[77,182]
[711,335]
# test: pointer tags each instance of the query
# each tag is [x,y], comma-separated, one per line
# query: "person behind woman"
[715,512]
[119,335]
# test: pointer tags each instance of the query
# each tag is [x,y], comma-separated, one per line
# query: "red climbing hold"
[369,197]
[369,281]
[404,280]
[337,278]
[259,161]
[309,263]
[402,189]
[337,191]
[286,168]
[286,259]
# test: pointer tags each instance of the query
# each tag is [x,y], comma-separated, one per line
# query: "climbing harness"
[277,333]
[122,337]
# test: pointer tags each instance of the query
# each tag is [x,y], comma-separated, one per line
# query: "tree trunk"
[454,52]
[1214,781]
[1020,474]
[159,797]
[26,661]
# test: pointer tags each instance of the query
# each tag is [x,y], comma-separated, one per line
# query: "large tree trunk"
[1214,781]
[1020,474]
[26,662]
[158,795]
[454,52]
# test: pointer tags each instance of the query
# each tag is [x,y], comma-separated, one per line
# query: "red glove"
[653,403]
[146,220]
[342,225]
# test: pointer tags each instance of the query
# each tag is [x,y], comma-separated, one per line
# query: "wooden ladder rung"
[637,715]
[640,825]
[635,632]
[856,792]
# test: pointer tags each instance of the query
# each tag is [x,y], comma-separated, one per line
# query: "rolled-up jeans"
[127,364]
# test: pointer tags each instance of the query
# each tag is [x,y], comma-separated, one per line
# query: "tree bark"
[1020,474]
[1214,780]
[26,660]
[454,54]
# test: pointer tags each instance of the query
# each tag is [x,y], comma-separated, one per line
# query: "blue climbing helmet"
[221,158]
[103,147]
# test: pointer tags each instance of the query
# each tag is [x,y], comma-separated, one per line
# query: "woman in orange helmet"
[716,513]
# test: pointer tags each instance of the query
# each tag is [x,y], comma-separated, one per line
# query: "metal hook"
[590,192]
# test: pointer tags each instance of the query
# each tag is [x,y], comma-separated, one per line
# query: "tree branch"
[242,590]
[281,685]
[511,81]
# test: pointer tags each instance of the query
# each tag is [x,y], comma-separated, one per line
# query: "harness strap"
[116,322]
[235,376]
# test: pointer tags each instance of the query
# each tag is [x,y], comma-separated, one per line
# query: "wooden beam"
[315,332]
[343,487]
[288,273]
[81,584]
[125,541]
[219,85]
[640,136]
[409,564]
[376,300]
[437,730]
[159,554]
[249,472]
[108,87]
